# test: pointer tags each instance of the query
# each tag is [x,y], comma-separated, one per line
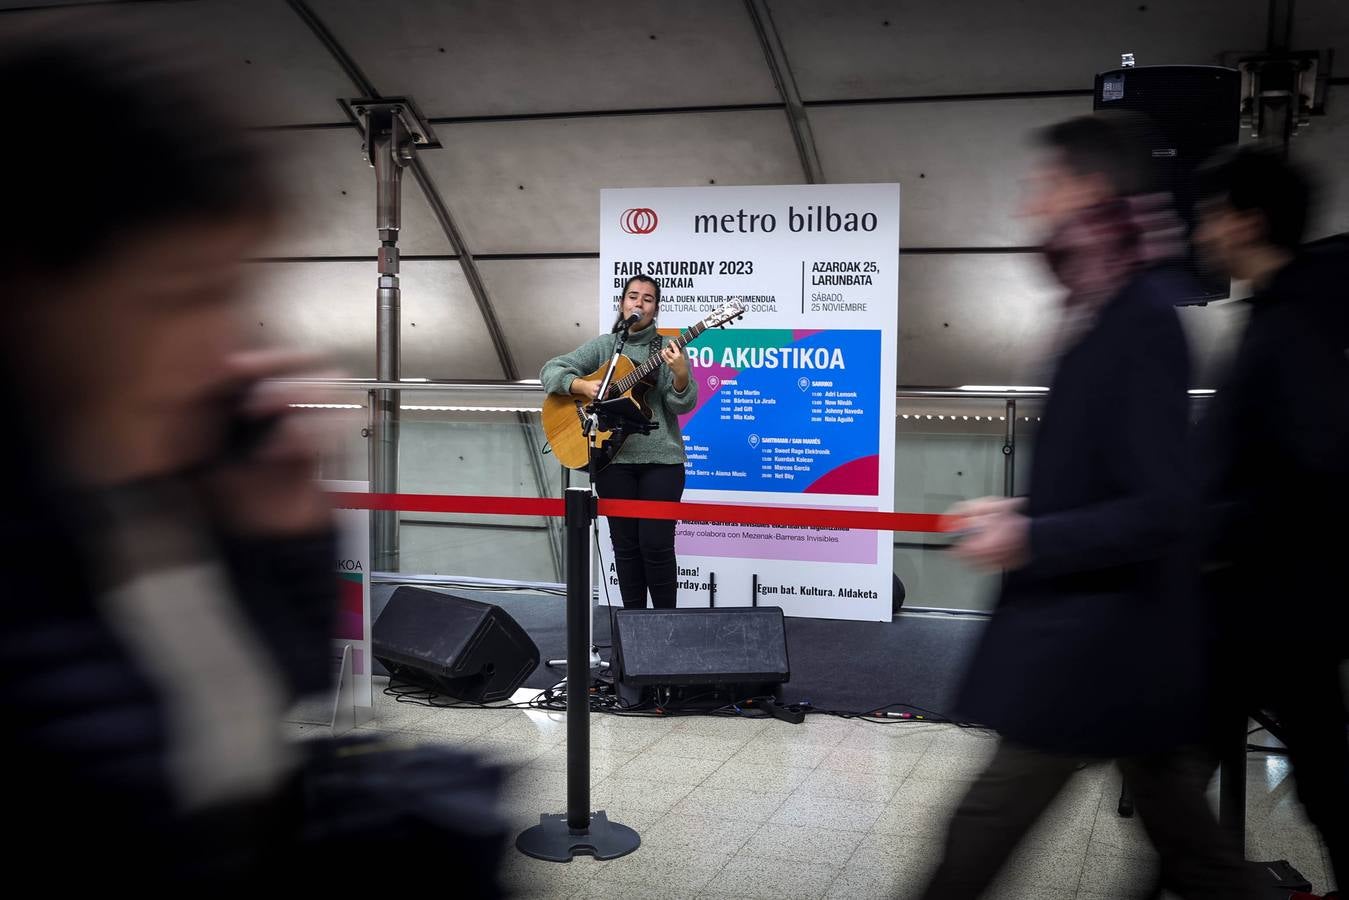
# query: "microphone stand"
[589,427]
[610,416]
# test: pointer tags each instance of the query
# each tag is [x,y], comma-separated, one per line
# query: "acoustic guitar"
[564,414]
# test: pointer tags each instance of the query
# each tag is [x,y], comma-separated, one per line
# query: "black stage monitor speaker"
[1197,112]
[726,645]
[465,649]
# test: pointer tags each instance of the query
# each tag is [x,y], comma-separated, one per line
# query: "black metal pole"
[1009,452]
[560,836]
[754,590]
[579,515]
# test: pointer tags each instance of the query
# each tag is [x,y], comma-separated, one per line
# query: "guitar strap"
[653,349]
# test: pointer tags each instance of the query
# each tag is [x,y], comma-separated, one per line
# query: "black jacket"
[1095,646]
[1276,452]
[85,730]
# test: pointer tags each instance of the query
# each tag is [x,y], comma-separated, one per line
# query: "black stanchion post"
[579,515]
[1232,779]
[560,836]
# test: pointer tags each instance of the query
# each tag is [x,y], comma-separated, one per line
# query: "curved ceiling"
[539,105]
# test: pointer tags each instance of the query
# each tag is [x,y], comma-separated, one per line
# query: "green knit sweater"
[666,443]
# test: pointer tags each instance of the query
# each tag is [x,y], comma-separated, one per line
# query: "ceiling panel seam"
[549,256]
[775,55]
[714,108]
[339,53]
[606,113]
[950,98]
[533,451]
[49,8]
[437,203]
[466,262]
[305,126]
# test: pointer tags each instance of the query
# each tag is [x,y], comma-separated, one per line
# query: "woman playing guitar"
[647,467]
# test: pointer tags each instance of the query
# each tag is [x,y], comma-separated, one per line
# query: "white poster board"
[353,584]
[797,401]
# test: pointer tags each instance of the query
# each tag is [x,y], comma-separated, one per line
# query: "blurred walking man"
[1276,465]
[1094,649]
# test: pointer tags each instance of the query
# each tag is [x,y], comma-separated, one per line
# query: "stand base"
[336,709]
[552,839]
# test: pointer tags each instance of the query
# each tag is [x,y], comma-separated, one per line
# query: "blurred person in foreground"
[171,588]
[1275,461]
[1094,649]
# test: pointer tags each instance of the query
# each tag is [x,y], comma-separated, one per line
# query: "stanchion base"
[554,840]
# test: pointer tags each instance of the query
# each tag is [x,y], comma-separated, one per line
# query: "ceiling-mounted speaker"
[1196,111]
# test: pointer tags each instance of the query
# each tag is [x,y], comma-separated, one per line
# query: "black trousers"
[644,552]
[1200,861]
[1304,694]
[1285,660]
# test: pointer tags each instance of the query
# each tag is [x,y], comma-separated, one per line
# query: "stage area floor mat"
[915,659]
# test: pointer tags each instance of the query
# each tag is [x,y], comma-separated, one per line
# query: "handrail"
[464,581]
[534,387]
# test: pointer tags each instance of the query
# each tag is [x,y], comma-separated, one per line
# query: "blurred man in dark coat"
[1094,650]
[1275,454]
[170,588]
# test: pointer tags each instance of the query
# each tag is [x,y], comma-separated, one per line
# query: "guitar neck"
[655,361]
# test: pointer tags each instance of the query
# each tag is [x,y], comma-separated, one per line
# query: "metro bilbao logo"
[640,220]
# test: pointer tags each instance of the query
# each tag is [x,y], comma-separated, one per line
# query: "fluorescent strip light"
[326,406]
[999,388]
[516,409]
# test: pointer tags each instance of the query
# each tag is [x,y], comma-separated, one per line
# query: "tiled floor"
[832,808]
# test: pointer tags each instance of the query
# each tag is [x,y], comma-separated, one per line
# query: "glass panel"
[457,442]
[461,441]
[946,451]
[1028,413]
[483,454]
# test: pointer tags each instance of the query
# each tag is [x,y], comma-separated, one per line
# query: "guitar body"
[562,419]
[563,415]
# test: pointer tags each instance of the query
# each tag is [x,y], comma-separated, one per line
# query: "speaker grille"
[460,647]
[702,646]
[1197,111]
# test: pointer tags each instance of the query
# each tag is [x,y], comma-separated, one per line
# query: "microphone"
[628,322]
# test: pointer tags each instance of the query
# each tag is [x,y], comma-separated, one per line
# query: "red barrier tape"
[722,513]
[449,503]
[729,514]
